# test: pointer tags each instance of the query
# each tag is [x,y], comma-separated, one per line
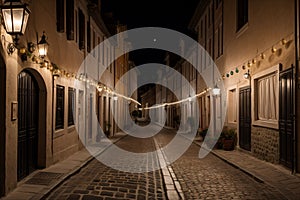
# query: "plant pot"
[228,144]
[219,144]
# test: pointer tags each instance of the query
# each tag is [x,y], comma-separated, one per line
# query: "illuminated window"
[266,98]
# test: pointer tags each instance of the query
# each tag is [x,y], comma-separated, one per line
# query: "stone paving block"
[19,196]
[74,197]
[35,189]
[91,197]
[172,194]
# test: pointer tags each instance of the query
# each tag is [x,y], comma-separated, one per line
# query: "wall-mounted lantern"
[43,46]
[216,91]
[15,17]
[115,97]
[247,75]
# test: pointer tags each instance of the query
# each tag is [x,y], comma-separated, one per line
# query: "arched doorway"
[2,124]
[31,122]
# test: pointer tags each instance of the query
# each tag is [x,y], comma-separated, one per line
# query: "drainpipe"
[52,126]
[294,164]
[86,92]
[114,103]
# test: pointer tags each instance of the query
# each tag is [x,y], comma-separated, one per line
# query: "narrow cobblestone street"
[97,181]
[212,178]
[208,178]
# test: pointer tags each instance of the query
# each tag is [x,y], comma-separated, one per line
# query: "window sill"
[71,128]
[58,133]
[266,124]
[232,123]
[242,30]
[219,56]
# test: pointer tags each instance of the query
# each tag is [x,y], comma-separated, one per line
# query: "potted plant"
[228,136]
[219,144]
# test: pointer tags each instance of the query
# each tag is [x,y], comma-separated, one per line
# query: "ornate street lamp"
[15,16]
[115,97]
[43,46]
[247,75]
[216,91]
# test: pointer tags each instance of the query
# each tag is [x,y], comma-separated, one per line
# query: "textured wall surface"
[265,144]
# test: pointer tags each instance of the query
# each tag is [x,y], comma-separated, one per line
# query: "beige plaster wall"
[63,53]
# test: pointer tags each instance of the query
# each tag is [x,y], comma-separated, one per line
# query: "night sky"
[162,13]
[170,14]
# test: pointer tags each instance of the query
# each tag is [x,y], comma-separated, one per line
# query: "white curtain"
[268,97]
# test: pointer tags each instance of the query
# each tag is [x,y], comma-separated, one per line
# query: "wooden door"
[286,119]
[28,109]
[245,118]
[2,125]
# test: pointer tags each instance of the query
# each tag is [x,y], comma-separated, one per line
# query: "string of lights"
[177,102]
[57,72]
[259,57]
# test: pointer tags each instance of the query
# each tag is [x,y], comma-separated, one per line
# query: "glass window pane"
[18,18]
[26,16]
[7,19]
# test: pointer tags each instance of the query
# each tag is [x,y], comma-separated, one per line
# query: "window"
[190,71]
[220,40]
[201,29]
[59,114]
[76,26]
[104,112]
[90,121]
[242,13]
[232,105]
[106,55]
[267,97]
[60,16]
[94,43]
[266,100]
[99,50]
[208,111]
[88,36]
[209,17]
[81,29]
[109,110]
[103,49]
[205,31]
[218,3]
[70,19]
[210,47]
[71,106]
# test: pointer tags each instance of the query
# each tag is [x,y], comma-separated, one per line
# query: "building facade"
[253,46]
[40,100]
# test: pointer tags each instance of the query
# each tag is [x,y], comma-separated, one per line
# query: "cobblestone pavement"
[212,178]
[97,181]
[208,178]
